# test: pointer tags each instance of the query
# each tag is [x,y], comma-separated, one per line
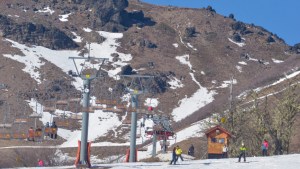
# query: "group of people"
[176,153]
[37,134]
[51,134]
[264,148]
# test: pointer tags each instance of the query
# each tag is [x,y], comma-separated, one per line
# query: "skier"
[173,156]
[40,163]
[178,153]
[264,147]
[191,150]
[225,150]
[243,153]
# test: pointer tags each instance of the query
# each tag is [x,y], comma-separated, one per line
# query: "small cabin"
[217,137]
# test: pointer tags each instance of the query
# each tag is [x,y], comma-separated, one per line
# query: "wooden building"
[217,137]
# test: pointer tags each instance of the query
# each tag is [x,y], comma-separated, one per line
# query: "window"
[221,140]
[213,140]
[218,140]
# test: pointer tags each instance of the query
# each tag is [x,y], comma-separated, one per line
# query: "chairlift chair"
[20,120]
[62,102]
[6,125]
[35,115]
[19,135]
[76,116]
[97,107]
[5,136]
[62,123]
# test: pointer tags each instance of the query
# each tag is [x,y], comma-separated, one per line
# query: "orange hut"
[217,137]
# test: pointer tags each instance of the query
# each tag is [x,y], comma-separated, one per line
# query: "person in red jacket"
[265,146]
[40,163]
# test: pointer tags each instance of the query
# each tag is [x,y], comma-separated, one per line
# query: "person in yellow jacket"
[243,152]
[178,152]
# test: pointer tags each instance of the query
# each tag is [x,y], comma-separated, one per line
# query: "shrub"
[237,38]
[270,39]
[209,8]
[190,31]
[238,26]
[231,16]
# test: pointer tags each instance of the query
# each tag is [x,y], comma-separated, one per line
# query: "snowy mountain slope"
[197,67]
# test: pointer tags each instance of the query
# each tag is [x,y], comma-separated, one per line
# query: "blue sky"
[282,17]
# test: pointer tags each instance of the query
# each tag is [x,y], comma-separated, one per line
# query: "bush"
[238,26]
[237,38]
[270,39]
[231,16]
[190,31]
[209,8]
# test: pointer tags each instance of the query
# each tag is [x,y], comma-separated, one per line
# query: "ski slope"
[274,162]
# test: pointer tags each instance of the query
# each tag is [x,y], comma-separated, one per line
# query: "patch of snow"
[242,63]
[61,59]
[87,29]
[277,61]
[202,72]
[33,63]
[191,46]
[199,99]
[226,83]
[275,162]
[78,39]
[46,10]
[64,18]
[175,45]
[153,102]
[108,47]
[239,68]
[185,59]
[189,105]
[241,44]
[175,83]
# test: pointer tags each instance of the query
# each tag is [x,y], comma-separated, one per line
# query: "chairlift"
[62,102]
[62,123]
[20,120]
[49,109]
[5,136]
[19,136]
[143,149]
[76,116]
[35,115]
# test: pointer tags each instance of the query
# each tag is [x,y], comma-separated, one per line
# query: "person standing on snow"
[191,150]
[264,147]
[243,152]
[173,156]
[225,150]
[40,163]
[178,153]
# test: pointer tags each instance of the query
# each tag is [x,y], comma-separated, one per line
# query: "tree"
[280,123]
